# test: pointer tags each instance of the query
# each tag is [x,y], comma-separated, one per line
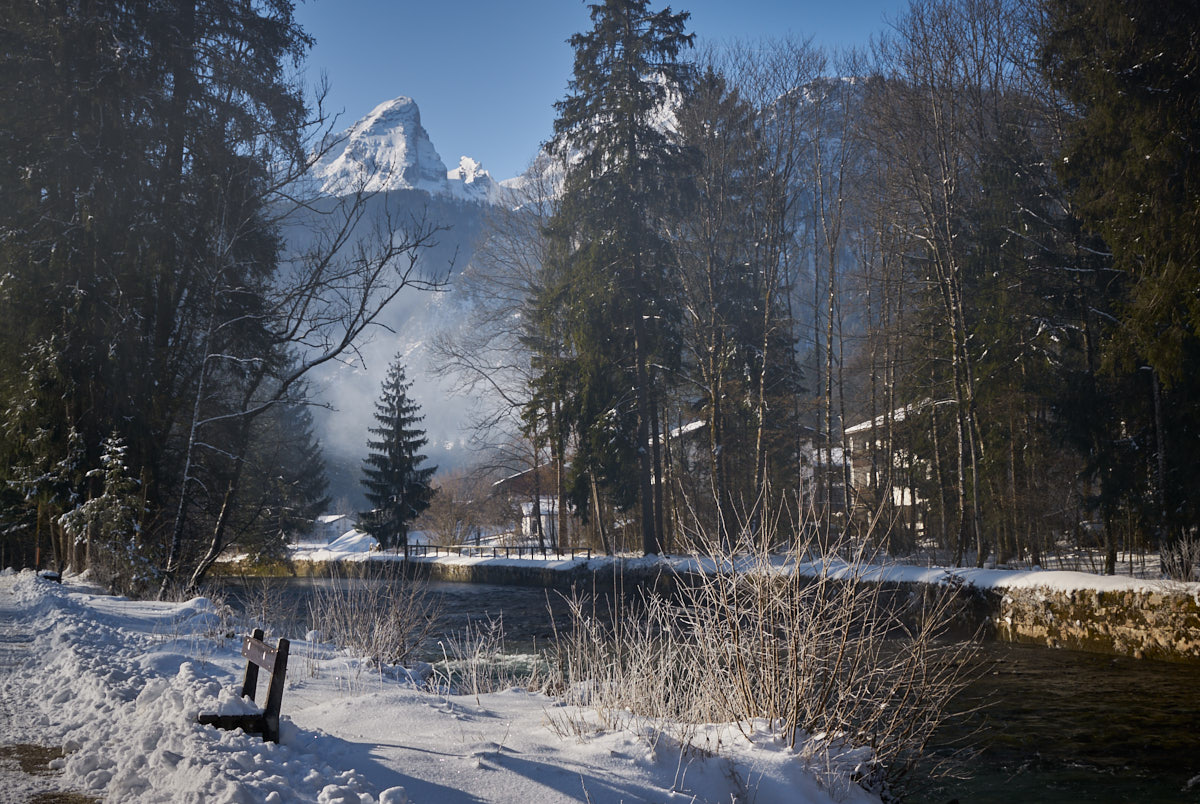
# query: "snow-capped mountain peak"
[388,150]
[471,181]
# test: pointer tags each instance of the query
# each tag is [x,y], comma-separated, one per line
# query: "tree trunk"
[599,516]
[537,499]
[559,492]
[650,537]
[217,541]
[656,458]
[1160,470]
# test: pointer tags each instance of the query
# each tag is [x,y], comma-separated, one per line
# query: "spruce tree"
[110,525]
[609,268]
[1132,162]
[397,485]
[1132,165]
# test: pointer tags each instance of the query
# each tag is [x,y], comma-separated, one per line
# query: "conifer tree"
[1133,160]
[397,485]
[609,272]
[110,524]
[1132,165]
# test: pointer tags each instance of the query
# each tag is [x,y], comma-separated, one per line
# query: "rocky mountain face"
[390,150]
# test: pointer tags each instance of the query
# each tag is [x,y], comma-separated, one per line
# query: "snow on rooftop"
[353,545]
[897,415]
[690,427]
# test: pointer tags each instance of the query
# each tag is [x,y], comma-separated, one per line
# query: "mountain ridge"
[388,149]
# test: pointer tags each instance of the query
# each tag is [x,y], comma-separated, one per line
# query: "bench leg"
[275,692]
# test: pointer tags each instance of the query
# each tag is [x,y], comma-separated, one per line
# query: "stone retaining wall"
[1147,624]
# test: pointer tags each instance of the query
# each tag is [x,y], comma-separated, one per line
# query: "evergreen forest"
[943,293]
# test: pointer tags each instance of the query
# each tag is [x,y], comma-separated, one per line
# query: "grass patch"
[34,760]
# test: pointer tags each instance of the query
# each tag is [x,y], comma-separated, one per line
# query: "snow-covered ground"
[117,684]
[353,545]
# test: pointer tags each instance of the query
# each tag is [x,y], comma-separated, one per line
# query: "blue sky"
[486,73]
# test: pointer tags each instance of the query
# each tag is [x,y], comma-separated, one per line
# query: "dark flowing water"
[1051,726]
[1062,726]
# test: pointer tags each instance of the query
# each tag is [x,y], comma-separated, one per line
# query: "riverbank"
[1059,609]
[110,688]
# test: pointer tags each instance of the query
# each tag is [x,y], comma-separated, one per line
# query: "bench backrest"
[274,661]
[259,652]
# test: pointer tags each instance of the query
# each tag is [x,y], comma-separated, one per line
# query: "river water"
[1047,726]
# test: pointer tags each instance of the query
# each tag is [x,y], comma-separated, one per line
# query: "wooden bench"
[274,661]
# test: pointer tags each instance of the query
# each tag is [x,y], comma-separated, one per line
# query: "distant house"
[527,486]
[549,512]
[331,526]
[822,469]
[868,444]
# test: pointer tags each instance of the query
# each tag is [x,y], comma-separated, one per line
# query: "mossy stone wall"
[1147,624]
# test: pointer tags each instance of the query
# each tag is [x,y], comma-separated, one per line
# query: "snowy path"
[16,643]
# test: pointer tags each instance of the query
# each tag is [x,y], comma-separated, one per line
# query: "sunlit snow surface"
[118,684]
[353,545]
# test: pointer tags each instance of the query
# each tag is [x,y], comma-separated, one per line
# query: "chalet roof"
[897,415]
[523,482]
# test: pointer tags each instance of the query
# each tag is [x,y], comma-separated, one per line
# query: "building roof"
[523,482]
[897,415]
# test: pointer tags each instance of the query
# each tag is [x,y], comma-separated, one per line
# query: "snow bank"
[1050,580]
[353,545]
[118,684]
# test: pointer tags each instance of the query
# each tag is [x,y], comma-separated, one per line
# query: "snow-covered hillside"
[389,156]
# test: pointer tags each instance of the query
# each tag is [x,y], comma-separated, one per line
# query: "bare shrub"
[461,510]
[632,667]
[1181,561]
[266,604]
[474,662]
[796,644]
[383,620]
